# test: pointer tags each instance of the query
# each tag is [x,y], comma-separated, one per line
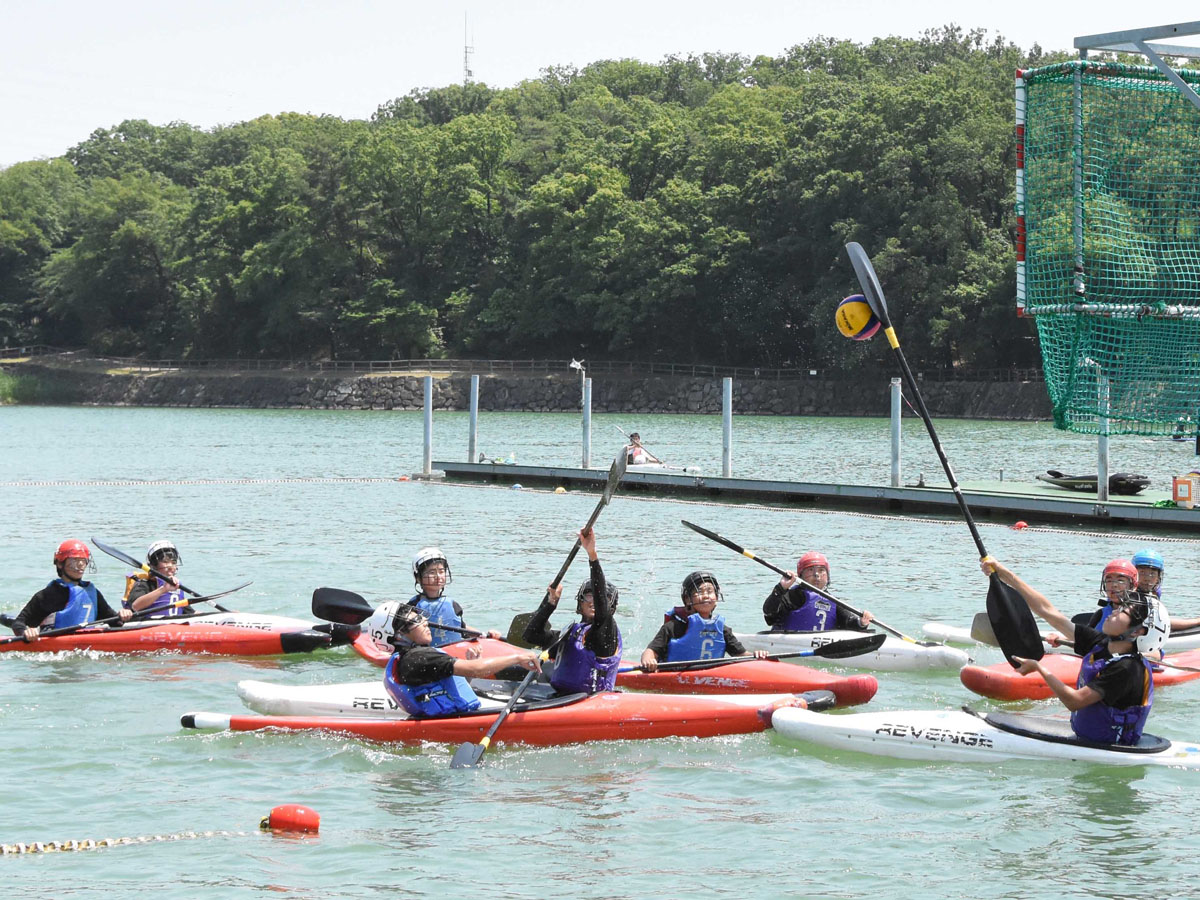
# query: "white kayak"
[958,736]
[369,699]
[894,655]
[1177,642]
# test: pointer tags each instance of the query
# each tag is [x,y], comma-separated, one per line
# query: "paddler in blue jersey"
[1113,695]
[68,600]
[792,607]
[588,653]
[150,595]
[431,575]
[427,682]
[694,630]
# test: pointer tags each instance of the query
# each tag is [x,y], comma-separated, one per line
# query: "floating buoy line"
[291,818]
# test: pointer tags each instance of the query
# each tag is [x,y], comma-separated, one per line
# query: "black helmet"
[586,588]
[694,581]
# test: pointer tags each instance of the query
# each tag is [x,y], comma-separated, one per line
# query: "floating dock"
[1007,501]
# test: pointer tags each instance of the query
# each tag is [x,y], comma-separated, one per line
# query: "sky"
[68,67]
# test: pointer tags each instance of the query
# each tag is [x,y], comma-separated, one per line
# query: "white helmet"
[1158,627]
[424,557]
[160,549]
[381,624]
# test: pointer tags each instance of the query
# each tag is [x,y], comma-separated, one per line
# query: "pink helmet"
[810,559]
[1120,567]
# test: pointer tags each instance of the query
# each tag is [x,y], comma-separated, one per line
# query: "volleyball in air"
[855,319]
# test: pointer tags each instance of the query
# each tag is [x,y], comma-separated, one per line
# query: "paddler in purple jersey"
[792,607]
[589,652]
[1113,695]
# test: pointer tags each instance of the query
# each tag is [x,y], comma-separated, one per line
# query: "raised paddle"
[1010,616]
[749,554]
[137,617]
[834,650]
[468,753]
[149,570]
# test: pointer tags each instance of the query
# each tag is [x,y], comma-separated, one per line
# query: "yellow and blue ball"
[855,319]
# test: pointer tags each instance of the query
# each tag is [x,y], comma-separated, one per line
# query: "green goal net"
[1108,205]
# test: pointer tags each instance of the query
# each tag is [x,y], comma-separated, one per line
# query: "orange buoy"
[403,478]
[291,817]
[1020,526]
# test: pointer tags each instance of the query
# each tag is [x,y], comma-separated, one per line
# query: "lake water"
[298,499]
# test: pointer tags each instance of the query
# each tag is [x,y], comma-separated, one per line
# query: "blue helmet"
[1151,558]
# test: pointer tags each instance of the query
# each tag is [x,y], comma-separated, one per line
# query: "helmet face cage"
[405,620]
[73,550]
[586,588]
[693,582]
[424,557]
[163,551]
[809,560]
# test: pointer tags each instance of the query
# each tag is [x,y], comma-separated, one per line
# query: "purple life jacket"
[579,670]
[817,614]
[1109,724]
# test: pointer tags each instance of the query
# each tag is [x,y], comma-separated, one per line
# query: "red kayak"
[755,676]
[225,634]
[1001,681]
[565,720]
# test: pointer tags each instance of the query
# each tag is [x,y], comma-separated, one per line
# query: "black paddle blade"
[1012,622]
[467,756]
[1078,618]
[516,631]
[853,647]
[337,605]
[869,282]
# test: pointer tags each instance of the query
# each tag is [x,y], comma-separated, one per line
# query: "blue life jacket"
[80,608]
[704,639]
[159,607]
[1109,724]
[578,669]
[1105,611]
[439,612]
[443,697]
[817,614]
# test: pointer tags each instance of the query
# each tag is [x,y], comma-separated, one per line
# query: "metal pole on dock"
[587,423]
[473,428]
[427,458]
[896,410]
[1102,440]
[727,427]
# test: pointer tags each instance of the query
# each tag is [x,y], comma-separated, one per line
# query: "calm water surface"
[94,748]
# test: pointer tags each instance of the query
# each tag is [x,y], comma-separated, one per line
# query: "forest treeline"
[690,211]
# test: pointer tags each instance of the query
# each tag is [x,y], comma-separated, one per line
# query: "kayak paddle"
[835,650]
[468,753]
[1011,618]
[137,617]
[150,570]
[724,541]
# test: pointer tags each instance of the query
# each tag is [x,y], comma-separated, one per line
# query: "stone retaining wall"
[549,393]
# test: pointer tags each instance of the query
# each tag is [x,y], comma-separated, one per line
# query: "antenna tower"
[468,49]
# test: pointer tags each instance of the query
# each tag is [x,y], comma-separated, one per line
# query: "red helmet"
[1120,567]
[72,549]
[810,559]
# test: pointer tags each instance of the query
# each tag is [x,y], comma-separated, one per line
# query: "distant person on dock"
[427,682]
[793,607]
[694,630]
[67,600]
[588,652]
[1113,695]
[637,455]
[431,576]
[150,595]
